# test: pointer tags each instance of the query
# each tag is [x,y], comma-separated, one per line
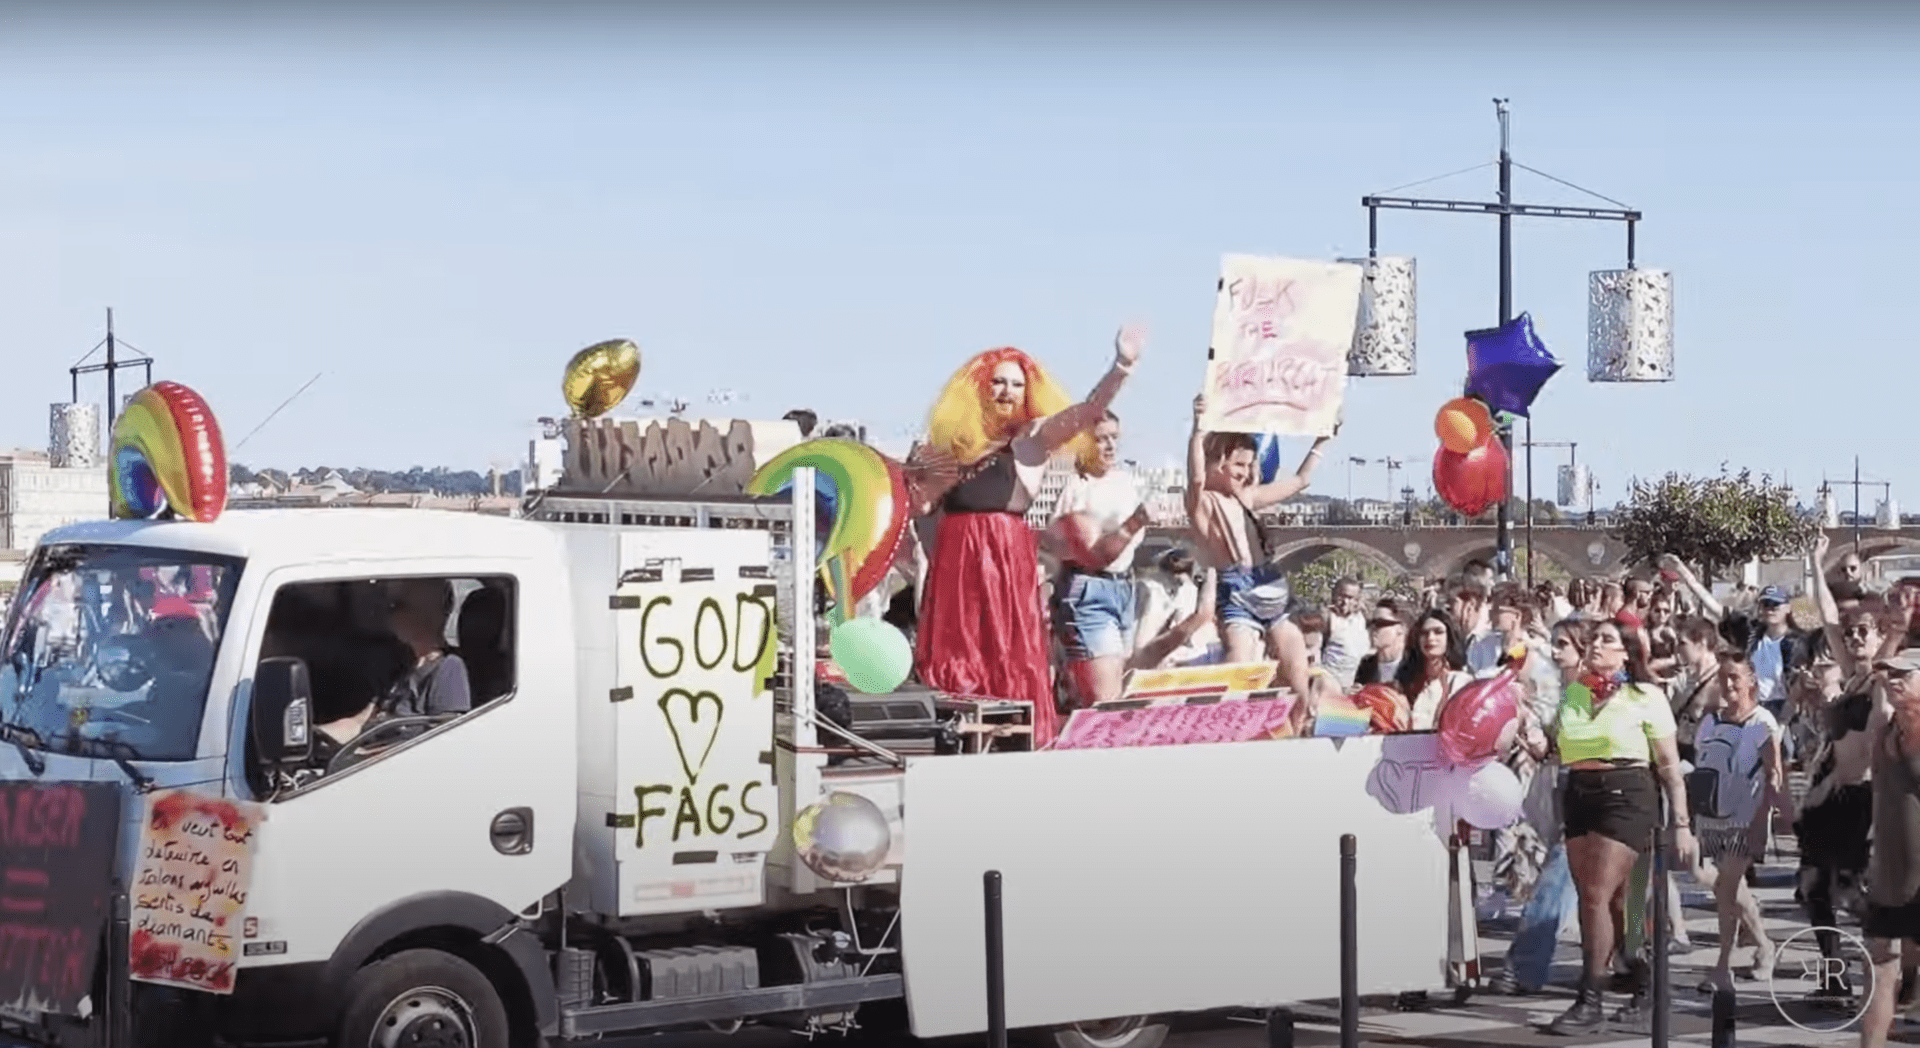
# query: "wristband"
[1122,366]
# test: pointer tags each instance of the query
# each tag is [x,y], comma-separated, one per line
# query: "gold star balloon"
[600,376]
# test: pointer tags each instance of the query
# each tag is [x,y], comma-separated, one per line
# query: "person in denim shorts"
[1099,523]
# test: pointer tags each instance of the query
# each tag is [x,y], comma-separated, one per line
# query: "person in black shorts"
[1893,882]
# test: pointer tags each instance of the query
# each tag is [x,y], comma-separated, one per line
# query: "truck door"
[476,809]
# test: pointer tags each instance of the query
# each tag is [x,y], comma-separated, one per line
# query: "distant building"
[36,497]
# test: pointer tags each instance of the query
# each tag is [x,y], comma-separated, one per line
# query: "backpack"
[1717,784]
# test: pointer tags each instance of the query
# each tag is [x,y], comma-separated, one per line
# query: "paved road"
[1510,1021]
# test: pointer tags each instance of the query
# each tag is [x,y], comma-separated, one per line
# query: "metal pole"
[1349,944]
[119,1002]
[1504,520]
[996,962]
[1723,1008]
[1660,999]
[1529,503]
[113,404]
[1856,502]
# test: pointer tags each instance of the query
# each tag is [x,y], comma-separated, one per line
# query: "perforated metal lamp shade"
[1383,340]
[1630,326]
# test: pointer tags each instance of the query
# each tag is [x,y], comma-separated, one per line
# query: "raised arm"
[1057,429]
[1829,608]
[1709,607]
[1261,496]
[1196,462]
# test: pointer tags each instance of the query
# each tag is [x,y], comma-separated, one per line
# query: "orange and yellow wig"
[959,423]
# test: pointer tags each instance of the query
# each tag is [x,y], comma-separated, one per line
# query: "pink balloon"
[1473,722]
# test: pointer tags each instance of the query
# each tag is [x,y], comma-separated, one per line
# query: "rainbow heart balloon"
[870,512]
[168,457]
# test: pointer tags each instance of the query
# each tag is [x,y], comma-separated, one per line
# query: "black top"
[991,485]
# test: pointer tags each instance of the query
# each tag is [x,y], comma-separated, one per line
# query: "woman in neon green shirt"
[1615,733]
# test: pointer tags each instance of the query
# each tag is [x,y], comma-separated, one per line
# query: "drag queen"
[1001,418]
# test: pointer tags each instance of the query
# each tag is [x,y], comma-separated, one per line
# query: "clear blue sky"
[833,208]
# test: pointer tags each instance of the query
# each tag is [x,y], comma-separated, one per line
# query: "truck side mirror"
[282,712]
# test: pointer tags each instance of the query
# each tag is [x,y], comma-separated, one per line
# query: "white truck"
[602,844]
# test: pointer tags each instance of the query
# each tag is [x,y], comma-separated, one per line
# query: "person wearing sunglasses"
[1616,738]
[1387,633]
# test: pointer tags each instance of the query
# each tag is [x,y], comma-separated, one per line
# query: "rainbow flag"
[1338,716]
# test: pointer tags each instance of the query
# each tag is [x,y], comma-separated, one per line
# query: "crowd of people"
[1649,705]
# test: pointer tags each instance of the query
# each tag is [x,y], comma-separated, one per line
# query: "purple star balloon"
[1507,365]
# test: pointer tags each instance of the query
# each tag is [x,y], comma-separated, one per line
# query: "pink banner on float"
[1245,720]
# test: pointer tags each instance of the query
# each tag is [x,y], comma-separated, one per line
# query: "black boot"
[1587,1016]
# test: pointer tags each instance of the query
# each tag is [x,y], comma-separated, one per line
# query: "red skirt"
[981,627]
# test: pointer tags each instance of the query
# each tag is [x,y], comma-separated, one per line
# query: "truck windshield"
[109,650]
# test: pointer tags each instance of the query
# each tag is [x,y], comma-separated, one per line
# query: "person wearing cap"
[1892,923]
[1772,644]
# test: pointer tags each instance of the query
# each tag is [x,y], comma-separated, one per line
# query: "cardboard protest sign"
[1282,329]
[58,846]
[190,889]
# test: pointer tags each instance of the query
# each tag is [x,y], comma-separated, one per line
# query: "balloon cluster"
[168,457]
[865,495]
[1506,367]
[1475,726]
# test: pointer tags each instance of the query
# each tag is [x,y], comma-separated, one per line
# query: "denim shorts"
[1255,597]
[1093,615]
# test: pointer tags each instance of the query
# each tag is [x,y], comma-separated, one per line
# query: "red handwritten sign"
[190,889]
[57,850]
[1176,725]
[1282,329]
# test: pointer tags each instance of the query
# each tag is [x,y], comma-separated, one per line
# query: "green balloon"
[875,657]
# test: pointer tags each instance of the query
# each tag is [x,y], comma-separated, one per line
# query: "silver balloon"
[843,838]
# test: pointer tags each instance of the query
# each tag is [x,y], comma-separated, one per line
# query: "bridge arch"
[1292,556]
[1870,548]
[1447,562]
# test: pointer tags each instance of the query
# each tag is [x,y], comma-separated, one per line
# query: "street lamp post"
[1573,464]
[1505,209]
[112,366]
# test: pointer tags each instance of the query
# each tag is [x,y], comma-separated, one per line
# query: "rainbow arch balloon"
[168,457]
[870,512]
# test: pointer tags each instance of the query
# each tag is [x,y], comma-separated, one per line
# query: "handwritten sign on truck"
[189,892]
[57,852]
[1282,329]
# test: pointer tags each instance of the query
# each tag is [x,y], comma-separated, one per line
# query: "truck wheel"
[422,999]
[1134,1031]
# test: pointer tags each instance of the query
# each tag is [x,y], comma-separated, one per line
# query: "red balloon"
[1472,722]
[1473,481]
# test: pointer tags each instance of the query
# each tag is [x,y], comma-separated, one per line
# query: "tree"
[1714,522]
[1313,583]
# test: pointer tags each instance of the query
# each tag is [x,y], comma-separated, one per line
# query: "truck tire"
[422,999]
[1134,1031]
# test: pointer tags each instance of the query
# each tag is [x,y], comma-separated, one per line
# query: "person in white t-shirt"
[1348,639]
[1097,529]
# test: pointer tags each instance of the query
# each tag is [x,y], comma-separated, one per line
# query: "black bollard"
[1349,944]
[1723,1003]
[996,963]
[1660,994]
[1280,1028]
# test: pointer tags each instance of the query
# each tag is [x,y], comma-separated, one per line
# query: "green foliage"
[1713,522]
[1313,584]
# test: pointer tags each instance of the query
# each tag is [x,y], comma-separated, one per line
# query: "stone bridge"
[1436,551]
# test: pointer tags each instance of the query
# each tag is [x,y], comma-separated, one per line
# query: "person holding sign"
[1222,502]
[982,628]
